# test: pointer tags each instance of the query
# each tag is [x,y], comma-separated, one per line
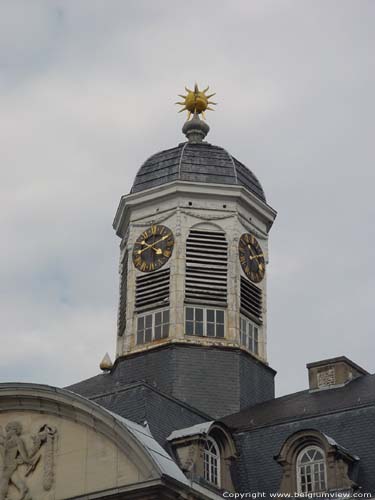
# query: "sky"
[87,92]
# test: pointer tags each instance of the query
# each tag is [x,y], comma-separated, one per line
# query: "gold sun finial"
[196,101]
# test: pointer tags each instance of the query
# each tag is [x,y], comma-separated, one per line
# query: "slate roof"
[164,461]
[140,403]
[356,394]
[201,162]
[346,414]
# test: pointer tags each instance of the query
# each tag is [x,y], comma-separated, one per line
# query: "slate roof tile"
[196,163]
[357,393]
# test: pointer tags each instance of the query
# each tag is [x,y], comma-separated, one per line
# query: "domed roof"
[196,162]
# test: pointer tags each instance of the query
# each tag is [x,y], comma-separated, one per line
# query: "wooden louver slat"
[121,322]
[152,290]
[251,300]
[206,268]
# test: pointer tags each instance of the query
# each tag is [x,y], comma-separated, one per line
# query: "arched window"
[211,459]
[311,470]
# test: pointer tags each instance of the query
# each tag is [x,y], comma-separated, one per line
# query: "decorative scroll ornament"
[155,220]
[19,462]
[208,217]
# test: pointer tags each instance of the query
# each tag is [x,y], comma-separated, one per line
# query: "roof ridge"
[232,161]
[295,418]
[127,387]
[247,169]
[304,405]
[180,162]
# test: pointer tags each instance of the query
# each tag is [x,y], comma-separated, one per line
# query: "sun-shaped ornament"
[196,101]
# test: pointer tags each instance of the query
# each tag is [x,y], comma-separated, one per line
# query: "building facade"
[188,410]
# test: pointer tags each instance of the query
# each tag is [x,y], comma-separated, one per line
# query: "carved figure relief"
[18,462]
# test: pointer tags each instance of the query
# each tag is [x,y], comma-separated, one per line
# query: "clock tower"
[192,314]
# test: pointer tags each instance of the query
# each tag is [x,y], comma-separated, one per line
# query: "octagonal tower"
[193,280]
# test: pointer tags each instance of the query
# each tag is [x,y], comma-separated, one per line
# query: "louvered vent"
[251,300]
[123,294]
[152,290]
[206,268]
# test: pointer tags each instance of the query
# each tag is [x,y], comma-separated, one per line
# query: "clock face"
[153,248]
[251,257]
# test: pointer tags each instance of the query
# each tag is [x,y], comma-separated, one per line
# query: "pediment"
[57,445]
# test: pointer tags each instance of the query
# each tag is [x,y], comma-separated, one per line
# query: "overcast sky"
[86,95]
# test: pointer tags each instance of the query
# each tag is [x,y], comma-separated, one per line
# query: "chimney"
[332,373]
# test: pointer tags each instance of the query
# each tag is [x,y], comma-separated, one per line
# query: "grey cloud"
[86,93]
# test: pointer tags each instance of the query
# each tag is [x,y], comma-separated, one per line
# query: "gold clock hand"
[143,249]
[157,250]
[161,239]
[256,256]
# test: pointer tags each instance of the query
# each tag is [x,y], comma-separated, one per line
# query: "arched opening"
[211,461]
[311,470]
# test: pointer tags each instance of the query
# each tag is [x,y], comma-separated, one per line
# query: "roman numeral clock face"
[153,248]
[251,258]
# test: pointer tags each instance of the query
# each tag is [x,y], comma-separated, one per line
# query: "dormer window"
[205,453]
[311,470]
[313,462]
[211,459]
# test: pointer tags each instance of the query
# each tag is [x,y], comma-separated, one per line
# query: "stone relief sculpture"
[15,454]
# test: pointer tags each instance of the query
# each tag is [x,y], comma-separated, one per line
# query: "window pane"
[256,343]
[189,328]
[250,329]
[211,463]
[140,337]
[243,325]
[158,318]
[210,330]
[166,316]
[255,334]
[198,328]
[250,339]
[219,316]
[141,323]
[198,314]
[211,315]
[250,344]
[312,470]
[149,321]
[148,334]
[158,332]
[220,331]
[165,330]
[243,339]
[189,313]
